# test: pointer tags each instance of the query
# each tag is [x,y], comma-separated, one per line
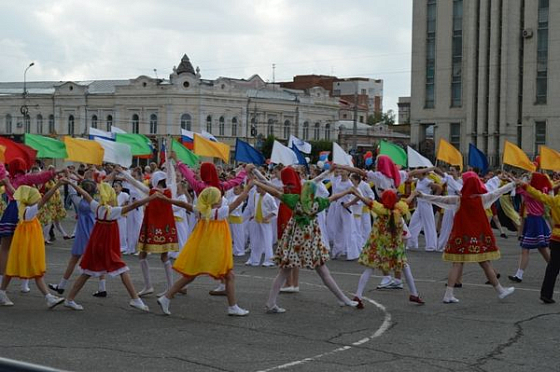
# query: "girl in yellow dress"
[208,250]
[26,259]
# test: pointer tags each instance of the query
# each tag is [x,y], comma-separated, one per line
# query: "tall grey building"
[486,71]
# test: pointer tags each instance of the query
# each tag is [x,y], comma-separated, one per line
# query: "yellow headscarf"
[107,195]
[26,196]
[207,198]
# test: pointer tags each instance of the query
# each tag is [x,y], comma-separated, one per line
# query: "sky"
[122,39]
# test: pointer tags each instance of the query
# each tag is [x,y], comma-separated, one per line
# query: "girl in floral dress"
[301,244]
[385,248]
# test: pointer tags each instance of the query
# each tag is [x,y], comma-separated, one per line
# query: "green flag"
[184,154]
[46,147]
[396,153]
[139,144]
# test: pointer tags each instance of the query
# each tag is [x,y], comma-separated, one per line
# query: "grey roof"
[48,87]
[185,66]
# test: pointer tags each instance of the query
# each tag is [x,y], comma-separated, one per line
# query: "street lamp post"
[24,109]
[25,79]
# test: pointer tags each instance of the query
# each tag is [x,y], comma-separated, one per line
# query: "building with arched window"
[226,107]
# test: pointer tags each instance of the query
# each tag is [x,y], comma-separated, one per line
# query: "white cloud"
[77,40]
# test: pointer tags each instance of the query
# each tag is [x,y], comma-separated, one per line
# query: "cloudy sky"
[103,39]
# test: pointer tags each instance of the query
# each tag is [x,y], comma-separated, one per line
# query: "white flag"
[208,136]
[340,156]
[302,146]
[117,130]
[415,159]
[283,155]
[93,133]
[115,152]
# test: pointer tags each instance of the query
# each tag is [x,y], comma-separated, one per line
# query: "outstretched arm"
[138,203]
[335,197]
[241,198]
[271,190]
[51,192]
[87,197]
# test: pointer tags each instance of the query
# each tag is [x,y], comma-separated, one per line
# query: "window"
[39,124]
[186,122]
[305,133]
[109,122]
[8,123]
[455,135]
[71,125]
[540,134]
[270,128]
[542,53]
[234,127]
[430,55]
[153,124]
[135,124]
[316,132]
[209,124]
[221,126]
[94,121]
[457,55]
[51,124]
[328,132]
[27,124]
[287,129]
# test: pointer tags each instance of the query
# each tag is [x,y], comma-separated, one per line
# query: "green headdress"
[308,196]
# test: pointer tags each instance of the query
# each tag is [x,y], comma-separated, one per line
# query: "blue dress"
[86,220]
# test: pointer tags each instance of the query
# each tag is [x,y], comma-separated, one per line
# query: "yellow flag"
[84,151]
[514,156]
[2,154]
[550,159]
[449,154]
[204,147]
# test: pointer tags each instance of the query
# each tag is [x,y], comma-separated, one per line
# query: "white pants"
[182,236]
[345,236]
[238,237]
[446,227]
[261,243]
[123,234]
[133,224]
[366,226]
[423,219]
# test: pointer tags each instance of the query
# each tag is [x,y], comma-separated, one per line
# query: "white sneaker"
[268,264]
[506,292]
[53,301]
[5,300]
[350,304]
[385,283]
[73,305]
[146,291]
[275,310]
[237,311]
[139,305]
[164,302]
[450,300]
[25,289]
[287,290]
[395,285]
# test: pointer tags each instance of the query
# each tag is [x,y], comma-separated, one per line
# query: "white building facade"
[483,72]
[225,107]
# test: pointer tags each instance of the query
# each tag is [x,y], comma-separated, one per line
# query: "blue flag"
[246,153]
[300,156]
[477,159]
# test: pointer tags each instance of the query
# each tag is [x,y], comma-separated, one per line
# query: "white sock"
[329,282]
[63,283]
[234,307]
[397,281]
[448,292]
[102,285]
[499,288]
[410,280]
[220,287]
[364,278]
[48,296]
[138,301]
[25,283]
[168,273]
[146,273]
[519,273]
[386,279]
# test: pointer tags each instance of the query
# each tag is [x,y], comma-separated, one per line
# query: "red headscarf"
[541,182]
[389,199]
[472,185]
[209,175]
[17,165]
[386,166]
[290,179]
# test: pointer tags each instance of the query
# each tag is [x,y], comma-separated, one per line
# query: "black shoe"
[514,278]
[503,235]
[100,294]
[55,288]
[547,300]
[497,277]
[456,285]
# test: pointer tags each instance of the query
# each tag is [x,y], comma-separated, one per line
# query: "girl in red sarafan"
[158,233]
[471,239]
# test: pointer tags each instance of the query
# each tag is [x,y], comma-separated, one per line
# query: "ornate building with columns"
[226,107]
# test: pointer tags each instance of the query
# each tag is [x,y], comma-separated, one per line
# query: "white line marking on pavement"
[382,329]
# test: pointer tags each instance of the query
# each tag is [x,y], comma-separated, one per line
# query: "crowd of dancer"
[291,218]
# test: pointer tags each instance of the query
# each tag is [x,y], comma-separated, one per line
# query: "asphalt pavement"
[481,333]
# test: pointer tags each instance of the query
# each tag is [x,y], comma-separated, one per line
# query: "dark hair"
[89,186]
[391,223]
[356,176]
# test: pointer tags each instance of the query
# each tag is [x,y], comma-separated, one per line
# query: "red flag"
[18,150]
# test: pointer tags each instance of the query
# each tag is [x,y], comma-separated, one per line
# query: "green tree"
[385,118]
[266,148]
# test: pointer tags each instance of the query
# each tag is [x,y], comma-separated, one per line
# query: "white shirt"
[454,186]
[382,182]
[100,211]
